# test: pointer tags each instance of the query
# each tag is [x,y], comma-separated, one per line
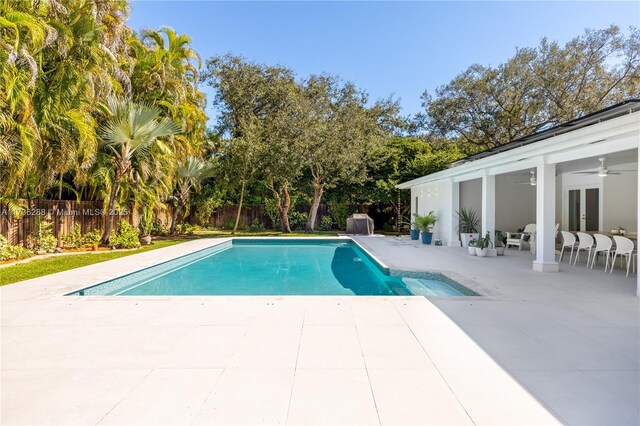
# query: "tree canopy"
[537,88]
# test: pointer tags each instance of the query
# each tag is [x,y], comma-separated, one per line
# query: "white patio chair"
[585,243]
[624,248]
[603,245]
[568,240]
[518,239]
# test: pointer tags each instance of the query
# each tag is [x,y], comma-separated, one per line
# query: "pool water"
[275,267]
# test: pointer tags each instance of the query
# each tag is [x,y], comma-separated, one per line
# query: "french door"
[584,208]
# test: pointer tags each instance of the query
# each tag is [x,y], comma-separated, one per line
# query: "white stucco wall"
[471,196]
[620,197]
[515,203]
[436,196]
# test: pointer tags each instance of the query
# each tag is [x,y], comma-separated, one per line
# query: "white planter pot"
[500,251]
[482,252]
[465,238]
[472,251]
[492,252]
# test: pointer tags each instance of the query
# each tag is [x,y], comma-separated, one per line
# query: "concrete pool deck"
[540,349]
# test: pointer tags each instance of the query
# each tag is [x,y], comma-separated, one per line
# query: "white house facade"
[581,175]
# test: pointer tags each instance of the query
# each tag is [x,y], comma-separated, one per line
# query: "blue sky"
[386,48]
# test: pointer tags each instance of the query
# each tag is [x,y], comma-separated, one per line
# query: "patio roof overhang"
[614,130]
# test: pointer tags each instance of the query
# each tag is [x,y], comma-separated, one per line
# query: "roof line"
[600,115]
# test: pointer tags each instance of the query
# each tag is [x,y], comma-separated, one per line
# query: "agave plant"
[468,221]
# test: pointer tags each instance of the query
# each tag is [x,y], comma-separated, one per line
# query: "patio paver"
[543,348]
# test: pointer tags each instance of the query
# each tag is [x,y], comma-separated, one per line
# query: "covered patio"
[579,176]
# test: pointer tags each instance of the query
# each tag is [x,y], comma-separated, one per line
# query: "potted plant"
[415,232]
[482,246]
[146,225]
[468,223]
[499,243]
[425,224]
[93,238]
[472,246]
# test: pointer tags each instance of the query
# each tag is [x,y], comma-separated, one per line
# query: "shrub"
[125,236]
[158,228]
[146,221]
[92,237]
[340,210]
[228,224]
[44,240]
[10,252]
[326,224]
[388,227]
[74,238]
[298,220]
[256,226]
[185,229]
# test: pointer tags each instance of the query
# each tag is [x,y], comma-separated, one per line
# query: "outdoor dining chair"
[603,245]
[585,242]
[568,241]
[624,248]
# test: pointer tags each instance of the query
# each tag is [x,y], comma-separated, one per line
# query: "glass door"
[591,215]
[574,210]
[584,209]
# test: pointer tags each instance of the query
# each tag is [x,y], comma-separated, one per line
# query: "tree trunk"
[235,225]
[108,226]
[318,190]
[283,209]
[174,219]
[60,187]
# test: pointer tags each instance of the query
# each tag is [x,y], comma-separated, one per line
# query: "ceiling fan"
[532,180]
[602,171]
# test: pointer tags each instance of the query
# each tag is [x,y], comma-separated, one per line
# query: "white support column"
[638,228]
[454,236]
[489,206]
[546,219]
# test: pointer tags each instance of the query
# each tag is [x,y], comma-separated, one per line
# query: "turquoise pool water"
[276,267]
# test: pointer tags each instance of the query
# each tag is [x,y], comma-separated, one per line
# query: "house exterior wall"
[620,193]
[471,196]
[515,203]
[436,196]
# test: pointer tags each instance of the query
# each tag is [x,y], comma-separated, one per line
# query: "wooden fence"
[65,216]
[89,215]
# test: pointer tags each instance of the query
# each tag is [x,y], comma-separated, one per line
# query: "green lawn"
[38,268]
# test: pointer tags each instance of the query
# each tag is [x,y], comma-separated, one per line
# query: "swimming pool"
[277,267]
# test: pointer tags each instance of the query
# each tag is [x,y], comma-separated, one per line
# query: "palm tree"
[131,137]
[189,175]
[166,73]
[58,60]
[22,36]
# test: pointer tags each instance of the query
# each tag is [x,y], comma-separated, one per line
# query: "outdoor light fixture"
[602,170]
[532,179]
